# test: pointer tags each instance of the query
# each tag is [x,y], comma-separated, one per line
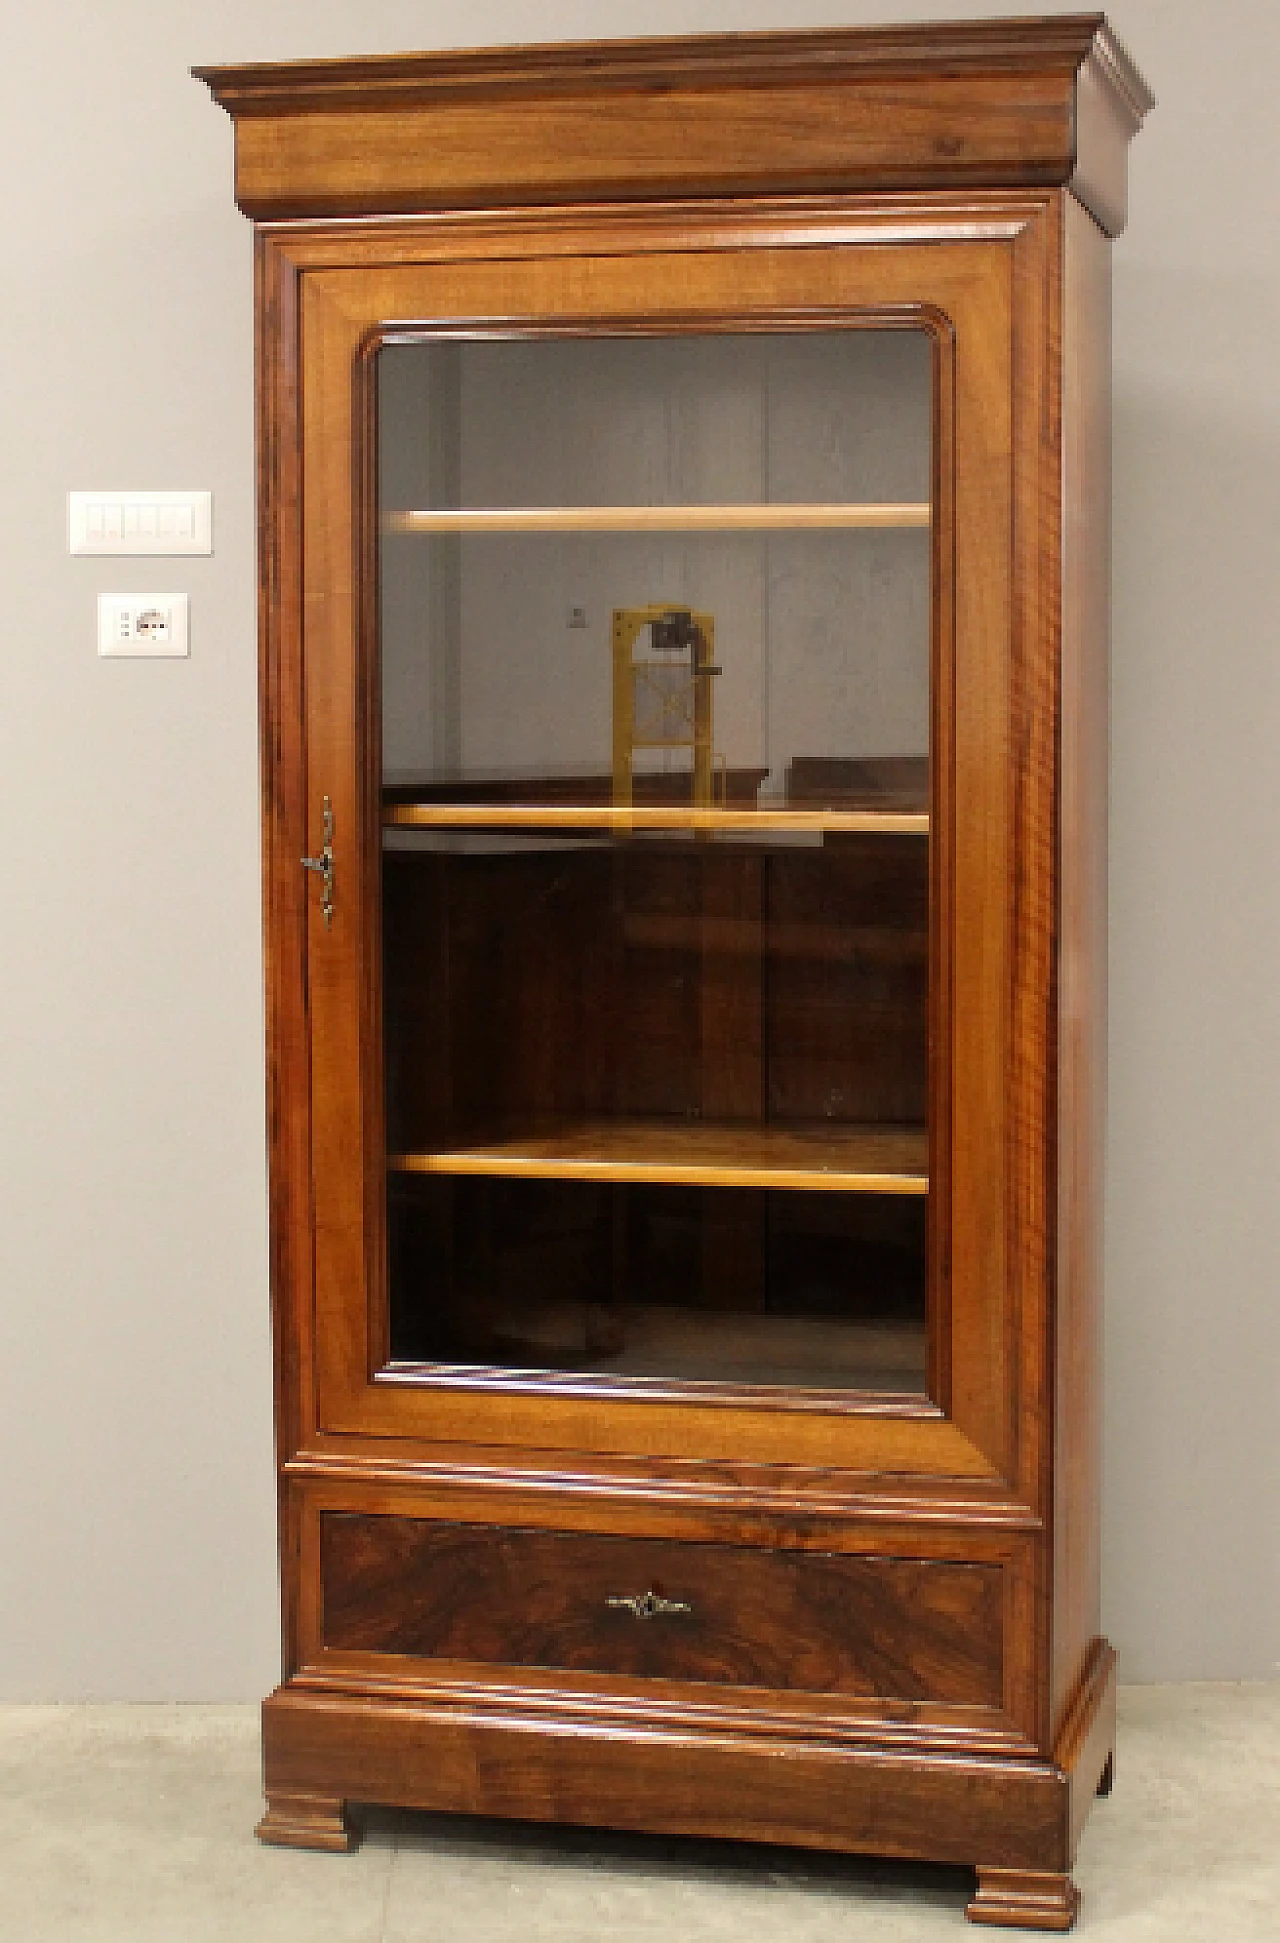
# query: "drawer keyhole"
[648,1605]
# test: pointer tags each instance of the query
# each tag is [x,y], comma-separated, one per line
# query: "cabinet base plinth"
[326,1748]
[1018,1899]
[302,1821]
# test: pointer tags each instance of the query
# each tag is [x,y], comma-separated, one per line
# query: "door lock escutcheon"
[323,865]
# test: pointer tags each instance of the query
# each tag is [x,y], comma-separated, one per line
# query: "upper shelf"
[654,519]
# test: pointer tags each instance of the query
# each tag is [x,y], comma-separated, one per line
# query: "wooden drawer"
[816,1622]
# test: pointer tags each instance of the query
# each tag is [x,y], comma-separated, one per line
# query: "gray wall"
[135,1470]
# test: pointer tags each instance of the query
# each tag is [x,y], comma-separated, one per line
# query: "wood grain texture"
[655,1493]
[742,60]
[568,1507]
[281,701]
[976,102]
[642,229]
[958,282]
[663,1778]
[1030,910]
[1082,951]
[898,1628]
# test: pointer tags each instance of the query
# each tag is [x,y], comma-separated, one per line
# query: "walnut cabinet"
[684,563]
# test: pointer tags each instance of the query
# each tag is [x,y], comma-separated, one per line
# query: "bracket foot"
[307,1822]
[1019,1899]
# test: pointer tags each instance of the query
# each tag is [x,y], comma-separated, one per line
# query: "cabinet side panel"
[1082,969]
[284,841]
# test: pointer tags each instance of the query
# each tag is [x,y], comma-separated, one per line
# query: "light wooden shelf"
[828,1158]
[644,816]
[655,519]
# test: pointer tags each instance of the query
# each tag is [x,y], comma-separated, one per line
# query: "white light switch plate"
[143,624]
[140,522]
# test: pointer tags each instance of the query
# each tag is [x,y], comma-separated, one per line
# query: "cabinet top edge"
[1010,46]
[978,104]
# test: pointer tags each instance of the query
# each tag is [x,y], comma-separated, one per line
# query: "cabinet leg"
[1018,1899]
[1106,1780]
[306,1822]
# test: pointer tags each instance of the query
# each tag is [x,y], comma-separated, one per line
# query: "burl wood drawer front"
[815,1622]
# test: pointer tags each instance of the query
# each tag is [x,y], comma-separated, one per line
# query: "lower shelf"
[839,1159]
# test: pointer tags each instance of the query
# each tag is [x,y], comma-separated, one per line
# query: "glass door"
[655,627]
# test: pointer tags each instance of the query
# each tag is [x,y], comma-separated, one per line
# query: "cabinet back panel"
[708,981]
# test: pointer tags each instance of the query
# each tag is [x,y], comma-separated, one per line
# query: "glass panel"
[740,1285]
[525,665]
[655,637]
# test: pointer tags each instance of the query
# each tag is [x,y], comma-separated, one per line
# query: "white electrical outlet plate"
[143,624]
[140,522]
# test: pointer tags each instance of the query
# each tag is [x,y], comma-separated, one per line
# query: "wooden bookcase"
[684,508]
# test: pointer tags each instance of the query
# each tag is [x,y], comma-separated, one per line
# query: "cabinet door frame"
[982,272]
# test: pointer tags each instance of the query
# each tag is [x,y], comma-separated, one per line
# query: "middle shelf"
[648,816]
[832,1158]
[884,795]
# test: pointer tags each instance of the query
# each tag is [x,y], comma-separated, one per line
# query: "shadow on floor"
[685,1860]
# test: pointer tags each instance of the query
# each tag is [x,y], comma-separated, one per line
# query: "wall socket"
[143,624]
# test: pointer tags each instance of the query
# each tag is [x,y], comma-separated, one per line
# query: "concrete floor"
[135,1823]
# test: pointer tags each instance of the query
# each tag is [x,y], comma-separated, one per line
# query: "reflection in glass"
[498,645]
[654,622]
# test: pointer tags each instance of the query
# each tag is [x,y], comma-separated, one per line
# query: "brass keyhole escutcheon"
[323,865]
[648,1605]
